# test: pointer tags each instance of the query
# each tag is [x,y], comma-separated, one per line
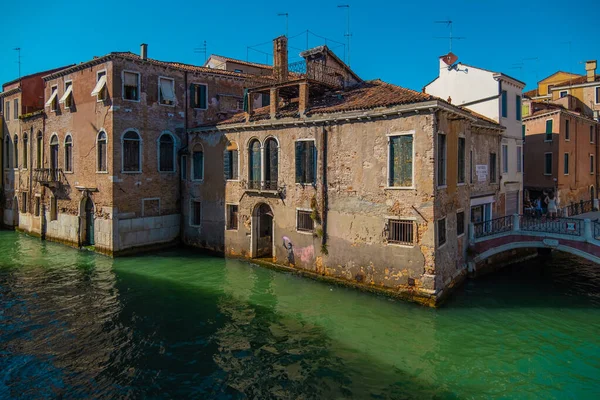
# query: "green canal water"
[178,324]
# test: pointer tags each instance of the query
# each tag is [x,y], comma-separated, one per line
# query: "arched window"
[254,164]
[54,152]
[166,153]
[198,163]
[39,148]
[25,150]
[7,151]
[132,152]
[230,163]
[16,152]
[271,164]
[101,146]
[68,153]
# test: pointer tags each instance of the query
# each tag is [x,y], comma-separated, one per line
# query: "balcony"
[50,177]
[264,188]
[313,71]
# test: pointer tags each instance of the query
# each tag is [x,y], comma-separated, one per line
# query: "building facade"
[362,181]
[498,97]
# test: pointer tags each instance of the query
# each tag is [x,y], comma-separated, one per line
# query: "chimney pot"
[590,69]
[280,58]
[144,51]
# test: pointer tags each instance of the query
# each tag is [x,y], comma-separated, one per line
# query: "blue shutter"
[299,163]
[504,104]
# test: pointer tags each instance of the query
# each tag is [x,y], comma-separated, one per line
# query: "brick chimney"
[590,69]
[280,58]
[143,51]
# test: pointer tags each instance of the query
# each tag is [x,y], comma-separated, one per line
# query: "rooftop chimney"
[144,51]
[280,58]
[590,69]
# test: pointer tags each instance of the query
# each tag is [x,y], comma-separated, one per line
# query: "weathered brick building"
[107,147]
[361,181]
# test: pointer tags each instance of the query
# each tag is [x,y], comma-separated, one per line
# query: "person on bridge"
[552,205]
[538,207]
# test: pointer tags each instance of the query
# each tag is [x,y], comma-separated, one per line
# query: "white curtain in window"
[52,97]
[166,89]
[130,79]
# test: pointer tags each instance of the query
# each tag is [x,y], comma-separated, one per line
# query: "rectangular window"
[230,164]
[198,162]
[519,159]
[548,164]
[166,91]
[24,202]
[53,209]
[562,93]
[524,131]
[518,109]
[53,98]
[266,99]
[131,86]
[504,104]
[566,164]
[591,133]
[232,217]
[196,213]
[199,96]
[401,161]
[592,165]
[505,159]
[184,168]
[401,231]
[598,95]
[493,172]
[462,144]
[7,111]
[441,153]
[100,88]
[549,129]
[37,206]
[67,98]
[304,222]
[306,162]
[460,223]
[441,232]
[567,130]
[16,110]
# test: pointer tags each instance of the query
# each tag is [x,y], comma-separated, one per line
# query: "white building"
[496,96]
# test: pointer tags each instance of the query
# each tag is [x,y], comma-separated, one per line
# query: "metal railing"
[562,226]
[312,70]
[254,185]
[580,208]
[596,231]
[493,226]
[401,232]
[46,176]
[272,186]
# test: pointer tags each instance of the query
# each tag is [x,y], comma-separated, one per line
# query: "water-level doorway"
[15,211]
[87,223]
[262,231]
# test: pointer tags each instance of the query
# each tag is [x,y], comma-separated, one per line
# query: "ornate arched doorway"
[262,231]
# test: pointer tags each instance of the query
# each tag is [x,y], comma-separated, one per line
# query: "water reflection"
[179,325]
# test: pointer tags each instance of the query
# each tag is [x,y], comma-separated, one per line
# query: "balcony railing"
[47,176]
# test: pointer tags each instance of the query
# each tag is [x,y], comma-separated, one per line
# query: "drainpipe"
[324,199]
[185,145]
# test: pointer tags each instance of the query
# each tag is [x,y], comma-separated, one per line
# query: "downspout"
[181,152]
[324,199]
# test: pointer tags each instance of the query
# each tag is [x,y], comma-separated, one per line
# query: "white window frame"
[139,85]
[98,99]
[437,233]
[101,130]
[227,217]
[568,163]
[387,218]
[65,154]
[203,163]
[296,217]
[465,224]
[545,133]
[52,108]
[191,220]
[140,151]
[389,151]
[174,171]
[71,95]
[552,161]
[150,199]
[191,100]
[437,160]
[159,95]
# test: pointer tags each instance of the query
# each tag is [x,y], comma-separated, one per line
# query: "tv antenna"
[448,23]
[18,50]
[347,34]
[201,50]
[286,15]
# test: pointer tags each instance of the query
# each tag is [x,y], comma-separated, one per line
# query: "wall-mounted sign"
[482,172]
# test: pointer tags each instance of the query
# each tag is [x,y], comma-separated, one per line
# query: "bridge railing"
[581,207]
[561,226]
[493,226]
[596,231]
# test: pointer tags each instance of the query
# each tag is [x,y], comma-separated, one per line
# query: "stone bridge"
[577,236]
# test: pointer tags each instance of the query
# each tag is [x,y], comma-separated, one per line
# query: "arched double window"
[25,150]
[54,152]
[101,146]
[16,151]
[198,162]
[254,165]
[132,152]
[69,153]
[271,164]
[39,149]
[166,153]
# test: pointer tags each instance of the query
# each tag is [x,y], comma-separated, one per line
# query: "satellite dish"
[450,58]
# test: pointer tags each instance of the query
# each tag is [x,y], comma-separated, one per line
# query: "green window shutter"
[523,127]
[227,164]
[406,160]
[192,96]
[394,162]
[311,162]
[202,95]
[504,104]
[549,126]
[299,163]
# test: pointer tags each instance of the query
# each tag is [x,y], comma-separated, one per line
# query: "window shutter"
[234,164]
[202,96]
[549,126]
[299,164]
[406,160]
[311,161]
[192,96]
[227,164]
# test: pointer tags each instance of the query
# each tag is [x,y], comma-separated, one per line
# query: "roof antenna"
[286,15]
[201,50]
[347,34]
[448,23]
[18,50]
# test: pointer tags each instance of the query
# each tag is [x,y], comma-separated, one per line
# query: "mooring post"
[471,233]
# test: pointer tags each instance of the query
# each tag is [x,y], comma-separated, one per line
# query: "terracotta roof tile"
[574,81]
[241,62]
[531,93]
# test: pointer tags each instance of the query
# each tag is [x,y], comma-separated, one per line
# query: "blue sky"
[393,41]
